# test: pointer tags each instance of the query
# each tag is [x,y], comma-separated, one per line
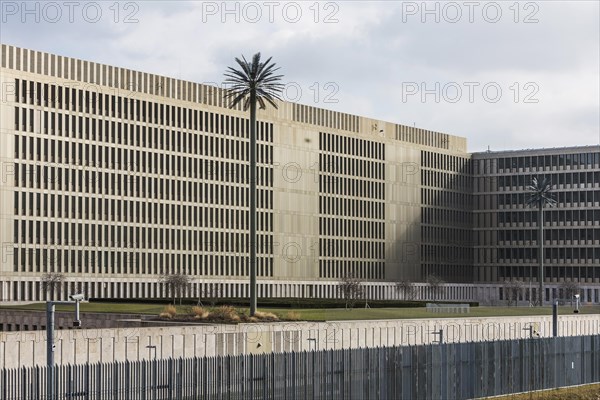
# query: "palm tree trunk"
[252,203]
[541,254]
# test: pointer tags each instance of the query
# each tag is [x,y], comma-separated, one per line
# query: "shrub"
[225,313]
[199,312]
[266,316]
[292,316]
[169,310]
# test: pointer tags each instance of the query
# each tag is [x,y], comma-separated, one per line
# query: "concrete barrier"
[28,348]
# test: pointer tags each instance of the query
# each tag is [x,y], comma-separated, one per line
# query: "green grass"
[337,314]
[326,314]
[587,392]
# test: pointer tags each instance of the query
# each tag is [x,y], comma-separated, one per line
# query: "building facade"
[506,229]
[116,177]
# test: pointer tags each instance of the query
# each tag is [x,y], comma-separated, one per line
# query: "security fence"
[448,308]
[442,371]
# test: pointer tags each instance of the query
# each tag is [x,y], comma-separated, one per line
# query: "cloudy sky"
[507,75]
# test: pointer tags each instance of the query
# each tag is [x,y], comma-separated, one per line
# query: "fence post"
[50,350]
[555,318]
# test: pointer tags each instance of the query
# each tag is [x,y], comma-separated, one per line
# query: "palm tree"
[254,83]
[540,196]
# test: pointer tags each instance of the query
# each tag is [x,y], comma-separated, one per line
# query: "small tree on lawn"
[407,289]
[52,282]
[351,290]
[435,283]
[570,289]
[512,290]
[176,284]
[209,293]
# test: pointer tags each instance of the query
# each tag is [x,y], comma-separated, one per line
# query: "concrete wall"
[17,320]
[119,344]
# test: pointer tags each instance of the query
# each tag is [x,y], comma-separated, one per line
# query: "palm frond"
[540,193]
[253,78]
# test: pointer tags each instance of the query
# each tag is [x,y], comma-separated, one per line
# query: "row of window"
[116,79]
[55,233]
[351,146]
[354,187]
[551,234]
[446,254]
[553,273]
[91,178]
[138,263]
[71,153]
[351,228]
[420,136]
[544,163]
[559,180]
[351,249]
[446,217]
[127,108]
[575,198]
[150,138]
[325,118]
[445,180]
[147,188]
[448,272]
[153,288]
[355,167]
[447,235]
[340,269]
[445,162]
[446,199]
[551,217]
[352,208]
[554,255]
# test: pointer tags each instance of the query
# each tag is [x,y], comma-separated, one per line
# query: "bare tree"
[406,288]
[436,284]
[512,290]
[210,292]
[351,290]
[177,284]
[51,282]
[570,289]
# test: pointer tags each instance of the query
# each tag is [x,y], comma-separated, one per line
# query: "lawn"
[588,392]
[340,314]
[325,314]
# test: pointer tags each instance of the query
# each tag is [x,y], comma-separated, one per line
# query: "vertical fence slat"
[436,371]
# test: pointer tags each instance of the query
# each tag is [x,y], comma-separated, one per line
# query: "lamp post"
[50,309]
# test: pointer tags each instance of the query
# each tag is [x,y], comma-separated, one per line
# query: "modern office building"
[115,177]
[506,230]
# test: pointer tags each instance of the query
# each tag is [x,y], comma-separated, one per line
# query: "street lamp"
[576,310]
[50,309]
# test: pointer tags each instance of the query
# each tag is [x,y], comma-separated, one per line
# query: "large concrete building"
[506,232]
[114,177]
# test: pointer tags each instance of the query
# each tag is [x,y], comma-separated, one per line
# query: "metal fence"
[448,308]
[443,371]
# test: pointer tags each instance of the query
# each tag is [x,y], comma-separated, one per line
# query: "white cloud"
[368,54]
